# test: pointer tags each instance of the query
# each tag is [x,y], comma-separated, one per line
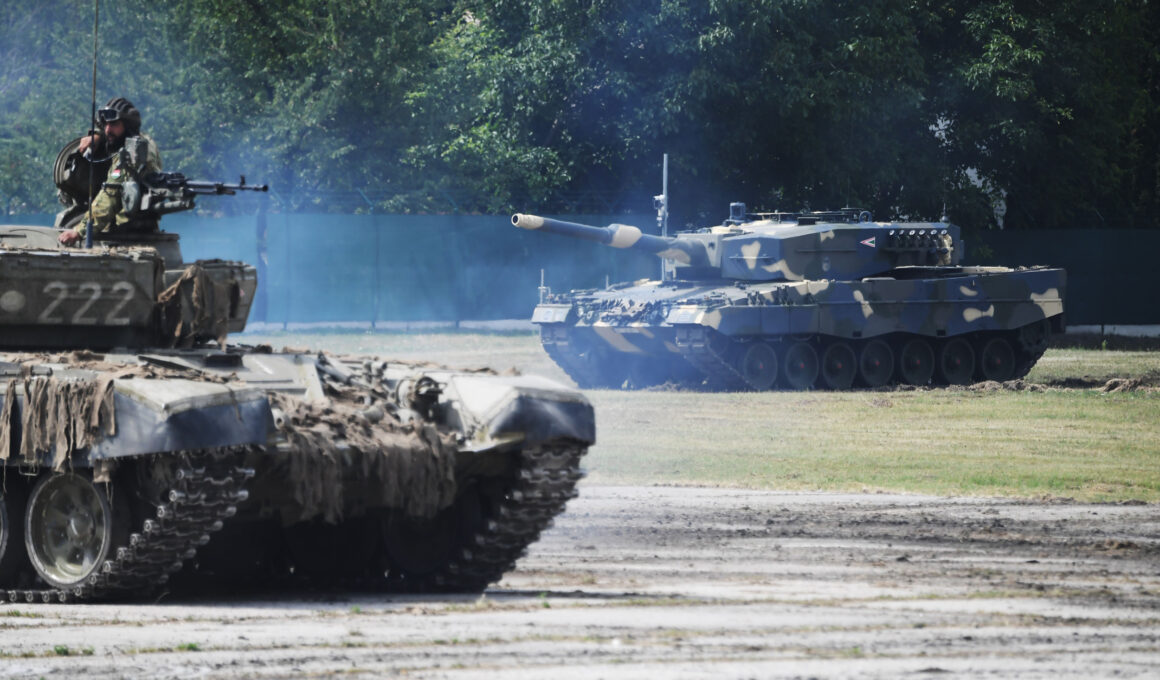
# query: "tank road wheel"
[838,366]
[759,366]
[956,362]
[801,366]
[71,528]
[875,363]
[997,360]
[916,362]
[13,558]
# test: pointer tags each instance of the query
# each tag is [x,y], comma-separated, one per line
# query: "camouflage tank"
[137,445]
[805,300]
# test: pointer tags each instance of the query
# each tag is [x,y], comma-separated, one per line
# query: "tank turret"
[826,299]
[133,289]
[781,246]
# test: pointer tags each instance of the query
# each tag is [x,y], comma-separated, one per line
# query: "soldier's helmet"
[119,108]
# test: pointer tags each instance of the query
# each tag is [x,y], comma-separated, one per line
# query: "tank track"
[718,370]
[206,489]
[1024,362]
[582,371]
[1027,352]
[544,482]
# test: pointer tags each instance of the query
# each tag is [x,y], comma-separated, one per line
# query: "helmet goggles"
[108,115]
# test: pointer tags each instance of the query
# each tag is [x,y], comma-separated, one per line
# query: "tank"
[140,447]
[827,299]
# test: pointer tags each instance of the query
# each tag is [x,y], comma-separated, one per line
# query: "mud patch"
[1122,385]
[1148,382]
[1007,385]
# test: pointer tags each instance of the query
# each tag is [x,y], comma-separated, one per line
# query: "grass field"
[1077,442]
[1074,443]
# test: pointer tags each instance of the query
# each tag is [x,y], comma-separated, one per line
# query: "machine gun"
[143,196]
[161,193]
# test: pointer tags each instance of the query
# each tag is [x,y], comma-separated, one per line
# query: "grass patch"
[1063,364]
[1074,443]
[64,650]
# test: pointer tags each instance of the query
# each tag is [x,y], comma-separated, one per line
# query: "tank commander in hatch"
[133,156]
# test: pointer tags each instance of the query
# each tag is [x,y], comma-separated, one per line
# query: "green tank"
[139,446]
[830,300]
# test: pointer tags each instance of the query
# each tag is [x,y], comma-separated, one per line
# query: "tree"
[306,95]
[1039,98]
[910,108]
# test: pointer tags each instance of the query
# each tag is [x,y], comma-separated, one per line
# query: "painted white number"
[59,291]
[91,292]
[94,291]
[126,290]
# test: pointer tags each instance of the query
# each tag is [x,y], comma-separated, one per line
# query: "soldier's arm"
[88,141]
[106,204]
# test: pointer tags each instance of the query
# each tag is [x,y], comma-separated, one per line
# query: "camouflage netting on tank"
[63,415]
[341,461]
[195,306]
[59,417]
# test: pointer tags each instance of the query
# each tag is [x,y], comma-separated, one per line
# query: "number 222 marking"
[92,292]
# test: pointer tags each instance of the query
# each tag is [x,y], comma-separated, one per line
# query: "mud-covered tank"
[805,300]
[137,444]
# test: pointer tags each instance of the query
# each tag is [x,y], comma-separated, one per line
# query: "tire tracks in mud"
[689,582]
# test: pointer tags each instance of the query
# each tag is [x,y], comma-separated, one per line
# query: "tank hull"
[169,453]
[125,470]
[741,335]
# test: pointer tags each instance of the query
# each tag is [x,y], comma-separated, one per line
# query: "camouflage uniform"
[109,212]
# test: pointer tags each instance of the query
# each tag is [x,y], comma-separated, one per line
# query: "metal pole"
[376,285]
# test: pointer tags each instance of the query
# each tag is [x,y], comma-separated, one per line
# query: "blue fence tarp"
[320,268]
[382,268]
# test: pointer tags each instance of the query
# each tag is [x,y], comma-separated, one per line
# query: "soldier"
[134,156]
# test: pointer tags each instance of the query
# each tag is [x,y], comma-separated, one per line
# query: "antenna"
[661,203]
[89,228]
[544,290]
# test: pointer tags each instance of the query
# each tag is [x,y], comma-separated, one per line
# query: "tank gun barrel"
[620,236]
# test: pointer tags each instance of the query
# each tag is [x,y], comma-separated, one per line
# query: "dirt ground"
[647,582]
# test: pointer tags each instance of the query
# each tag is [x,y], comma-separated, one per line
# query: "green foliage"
[1042,106]
[906,107]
